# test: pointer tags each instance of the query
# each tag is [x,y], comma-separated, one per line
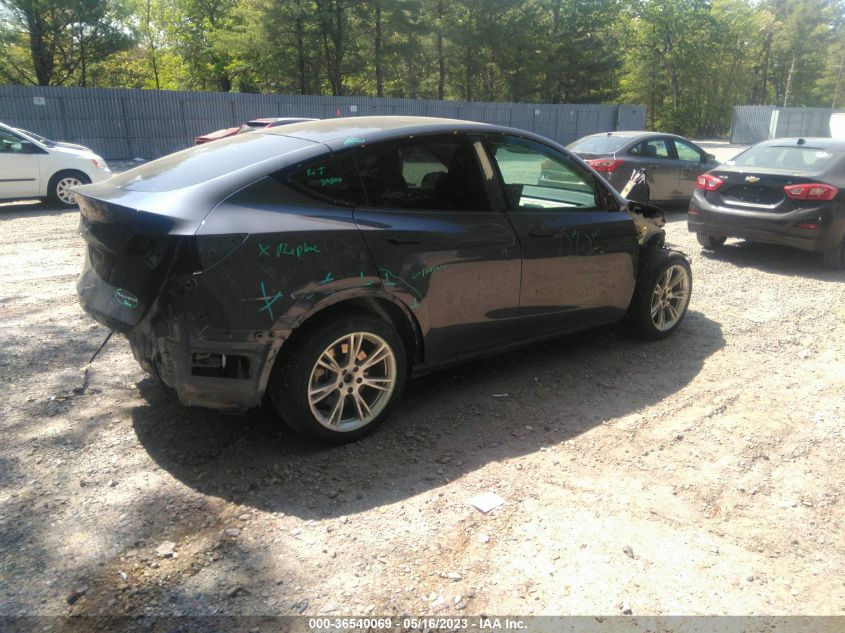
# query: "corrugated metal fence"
[122,124]
[752,124]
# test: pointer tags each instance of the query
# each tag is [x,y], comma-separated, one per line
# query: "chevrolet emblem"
[752,179]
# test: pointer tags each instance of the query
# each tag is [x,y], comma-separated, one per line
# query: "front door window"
[536,177]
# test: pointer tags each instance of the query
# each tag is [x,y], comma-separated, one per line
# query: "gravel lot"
[698,475]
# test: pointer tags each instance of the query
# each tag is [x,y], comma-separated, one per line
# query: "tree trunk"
[441,61]
[789,81]
[761,87]
[552,78]
[42,54]
[83,66]
[300,56]
[468,69]
[377,45]
[151,43]
[836,87]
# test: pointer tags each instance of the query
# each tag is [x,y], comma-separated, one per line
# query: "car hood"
[64,145]
[69,149]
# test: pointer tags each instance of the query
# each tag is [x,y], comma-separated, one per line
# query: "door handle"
[533,234]
[653,166]
[397,242]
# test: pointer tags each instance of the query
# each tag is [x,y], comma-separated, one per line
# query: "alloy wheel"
[670,297]
[352,381]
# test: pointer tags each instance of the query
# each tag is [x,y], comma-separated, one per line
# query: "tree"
[64,37]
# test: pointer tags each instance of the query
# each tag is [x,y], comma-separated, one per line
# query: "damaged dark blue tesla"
[322,263]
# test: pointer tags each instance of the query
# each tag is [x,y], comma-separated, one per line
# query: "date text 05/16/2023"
[407,623]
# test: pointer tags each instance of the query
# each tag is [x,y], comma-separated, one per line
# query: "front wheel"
[61,184]
[662,294]
[340,380]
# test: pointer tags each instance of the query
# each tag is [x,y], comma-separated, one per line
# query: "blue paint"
[125,298]
[268,302]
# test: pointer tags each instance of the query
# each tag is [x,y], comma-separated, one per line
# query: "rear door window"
[653,148]
[432,173]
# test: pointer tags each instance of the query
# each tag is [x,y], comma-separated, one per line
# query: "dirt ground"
[702,474]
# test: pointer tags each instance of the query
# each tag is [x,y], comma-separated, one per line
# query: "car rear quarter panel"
[267,266]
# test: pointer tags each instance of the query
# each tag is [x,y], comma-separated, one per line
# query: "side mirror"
[709,158]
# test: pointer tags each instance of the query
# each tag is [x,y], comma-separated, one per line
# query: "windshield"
[599,144]
[37,137]
[786,157]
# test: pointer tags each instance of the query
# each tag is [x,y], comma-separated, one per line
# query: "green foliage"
[689,61]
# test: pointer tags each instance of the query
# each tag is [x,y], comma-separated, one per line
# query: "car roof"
[366,129]
[635,134]
[817,142]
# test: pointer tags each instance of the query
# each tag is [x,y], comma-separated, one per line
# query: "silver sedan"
[672,163]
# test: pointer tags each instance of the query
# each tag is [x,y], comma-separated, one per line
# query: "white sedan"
[32,166]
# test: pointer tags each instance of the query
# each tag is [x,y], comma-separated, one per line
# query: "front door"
[578,256]
[18,170]
[439,246]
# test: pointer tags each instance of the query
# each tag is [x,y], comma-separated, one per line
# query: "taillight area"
[605,165]
[812,191]
[708,182]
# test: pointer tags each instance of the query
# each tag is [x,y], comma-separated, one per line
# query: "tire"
[710,242]
[305,391]
[60,183]
[655,312]
[835,257]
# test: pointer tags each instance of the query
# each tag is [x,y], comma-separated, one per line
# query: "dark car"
[324,262]
[672,163]
[784,191]
[249,126]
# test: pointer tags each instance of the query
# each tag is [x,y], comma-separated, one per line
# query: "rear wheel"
[340,380]
[711,242]
[834,257]
[662,295]
[59,188]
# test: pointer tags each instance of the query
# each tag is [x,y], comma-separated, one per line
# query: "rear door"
[657,156]
[692,163]
[578,255]
[438,244]
[18,170]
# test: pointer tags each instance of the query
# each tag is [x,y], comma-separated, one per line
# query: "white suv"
[32,166]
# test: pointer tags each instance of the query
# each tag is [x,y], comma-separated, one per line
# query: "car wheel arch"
[380,305]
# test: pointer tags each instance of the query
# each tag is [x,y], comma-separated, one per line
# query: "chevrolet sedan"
[784,191]
[323,263]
